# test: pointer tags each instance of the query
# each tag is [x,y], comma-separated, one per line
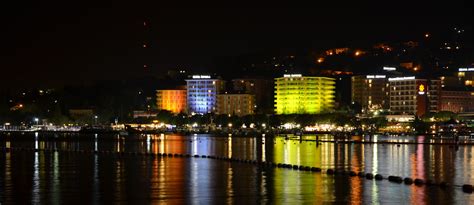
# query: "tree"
[276,120]
[180,119]
[165,116]
[304,120]
[420,126]
[355,108]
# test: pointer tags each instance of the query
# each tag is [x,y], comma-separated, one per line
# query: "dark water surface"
[86,178]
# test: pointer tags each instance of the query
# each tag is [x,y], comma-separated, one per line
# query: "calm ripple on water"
[75,175]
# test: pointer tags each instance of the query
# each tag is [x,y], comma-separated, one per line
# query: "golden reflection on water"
[8,174]
[356,182]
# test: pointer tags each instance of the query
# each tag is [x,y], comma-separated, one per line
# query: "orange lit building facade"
[172,100]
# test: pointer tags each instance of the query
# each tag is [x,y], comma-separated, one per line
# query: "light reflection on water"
[73,177]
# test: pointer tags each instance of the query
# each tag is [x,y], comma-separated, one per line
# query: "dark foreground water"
[86,178]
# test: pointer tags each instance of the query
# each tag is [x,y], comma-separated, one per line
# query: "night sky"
[58,44]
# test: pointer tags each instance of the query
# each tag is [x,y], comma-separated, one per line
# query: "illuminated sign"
[421,89]
[402,78]
[389,68]
[292,75]
[465,69]
[376,76]
[201,76]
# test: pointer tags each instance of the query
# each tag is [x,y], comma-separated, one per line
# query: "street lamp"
[95,118]
[36,120]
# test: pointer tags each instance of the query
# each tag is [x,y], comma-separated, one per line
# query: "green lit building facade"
[297,94]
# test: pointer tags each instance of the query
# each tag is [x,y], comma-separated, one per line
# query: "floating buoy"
[369,176]
[396,179]
[330,172]
[295,166]
[196,156]
[408,181]
[315,169]
[307,168]
[352,174]
[378,177]
[467,188]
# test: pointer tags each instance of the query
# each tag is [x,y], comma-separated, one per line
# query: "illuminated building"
[434,103]
[371,92]
[236,104]
[404,97]
[465,77]
[462,79]
[412,96]
[262,89]
[297,94]
[457,101]
[342,82]
[171,100]
[202,93]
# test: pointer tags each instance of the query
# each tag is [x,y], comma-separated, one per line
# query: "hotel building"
[262,89]
[297,94]
[412,96]
[463,78]
[371,92]
[202,94]
[171,100]
[457,101]
[236,104]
